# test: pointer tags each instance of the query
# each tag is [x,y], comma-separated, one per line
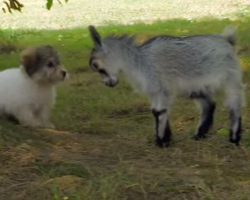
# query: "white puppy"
[28,93]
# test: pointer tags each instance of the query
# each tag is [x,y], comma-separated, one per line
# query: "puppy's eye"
[50,64]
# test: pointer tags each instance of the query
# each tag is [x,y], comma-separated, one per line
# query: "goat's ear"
[95,36]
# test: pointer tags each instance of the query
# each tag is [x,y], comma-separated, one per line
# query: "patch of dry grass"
[120,167]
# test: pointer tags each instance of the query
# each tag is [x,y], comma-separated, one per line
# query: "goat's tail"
[229,34]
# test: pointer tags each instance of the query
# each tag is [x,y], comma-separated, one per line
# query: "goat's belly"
[202,84]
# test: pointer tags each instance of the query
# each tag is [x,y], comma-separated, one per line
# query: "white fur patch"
[30,103]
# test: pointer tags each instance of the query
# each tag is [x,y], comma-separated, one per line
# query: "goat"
[165,67]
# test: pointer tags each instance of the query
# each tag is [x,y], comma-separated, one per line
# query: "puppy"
[28,93]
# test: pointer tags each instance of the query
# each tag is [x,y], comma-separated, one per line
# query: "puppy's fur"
[28,93]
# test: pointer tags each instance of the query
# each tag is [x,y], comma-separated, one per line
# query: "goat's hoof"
[235,141]
[199,136]
[162,143]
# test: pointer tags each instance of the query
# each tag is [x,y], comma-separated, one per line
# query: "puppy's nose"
[64,73]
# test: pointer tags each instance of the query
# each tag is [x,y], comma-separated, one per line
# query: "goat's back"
[193,62]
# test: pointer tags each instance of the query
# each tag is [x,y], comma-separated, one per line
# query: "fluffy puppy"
[28,93]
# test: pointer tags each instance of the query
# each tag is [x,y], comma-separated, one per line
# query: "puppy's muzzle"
[64,73]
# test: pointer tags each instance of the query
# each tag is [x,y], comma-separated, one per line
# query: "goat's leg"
[163,131]
[207,106]
[160,111]
[235,99]
[235,126]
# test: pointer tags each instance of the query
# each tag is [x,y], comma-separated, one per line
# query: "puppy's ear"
[95,36]
[29,60]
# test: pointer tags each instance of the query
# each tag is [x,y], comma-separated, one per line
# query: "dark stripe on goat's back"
[176,38]
[163,37]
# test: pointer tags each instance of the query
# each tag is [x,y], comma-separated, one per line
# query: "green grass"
[103,146]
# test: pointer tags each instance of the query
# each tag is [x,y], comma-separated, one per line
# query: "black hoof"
[199,137]
[235,141]
[162,143]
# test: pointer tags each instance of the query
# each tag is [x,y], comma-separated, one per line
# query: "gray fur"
[165,67]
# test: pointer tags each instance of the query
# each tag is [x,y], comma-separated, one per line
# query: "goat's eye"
[103,72]
[50,64]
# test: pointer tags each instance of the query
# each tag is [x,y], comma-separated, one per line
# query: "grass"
[103,145]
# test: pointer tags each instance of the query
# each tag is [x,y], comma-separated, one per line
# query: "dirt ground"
[82,13]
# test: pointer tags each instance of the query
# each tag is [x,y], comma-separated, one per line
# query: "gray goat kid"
[165,67]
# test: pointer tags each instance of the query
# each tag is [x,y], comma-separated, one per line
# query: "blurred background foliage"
[17,5]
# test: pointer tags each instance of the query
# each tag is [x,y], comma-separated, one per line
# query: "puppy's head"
[42,64]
